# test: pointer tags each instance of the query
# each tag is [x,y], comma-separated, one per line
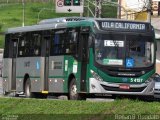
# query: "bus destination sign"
[113,25]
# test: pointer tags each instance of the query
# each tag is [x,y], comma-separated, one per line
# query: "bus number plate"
[123,86]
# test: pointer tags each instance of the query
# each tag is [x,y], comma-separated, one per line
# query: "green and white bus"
[78,56]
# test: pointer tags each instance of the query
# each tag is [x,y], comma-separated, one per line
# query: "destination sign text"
[133,26]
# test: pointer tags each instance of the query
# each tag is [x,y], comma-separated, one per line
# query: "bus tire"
[16,95]
[73,95]
[27,88]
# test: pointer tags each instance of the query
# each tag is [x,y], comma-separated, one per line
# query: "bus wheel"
[73,95]
[28,92]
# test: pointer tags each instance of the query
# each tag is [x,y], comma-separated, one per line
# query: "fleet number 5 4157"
[138,80]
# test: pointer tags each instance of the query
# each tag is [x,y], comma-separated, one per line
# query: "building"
[134,7]
[137,10]
[156,7]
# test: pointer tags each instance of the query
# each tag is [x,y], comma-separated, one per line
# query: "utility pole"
[23,4]
[149,10]
[98,8]
[119,9]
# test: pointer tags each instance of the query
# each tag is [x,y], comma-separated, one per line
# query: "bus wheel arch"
[27,86]
[71,76]
[26,76]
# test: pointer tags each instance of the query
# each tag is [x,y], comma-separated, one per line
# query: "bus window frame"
[29,38]
[63,44]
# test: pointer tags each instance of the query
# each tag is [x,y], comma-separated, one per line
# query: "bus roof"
[35,28]
[63,22]
[75,19]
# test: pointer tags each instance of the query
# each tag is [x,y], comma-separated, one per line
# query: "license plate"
[123,86]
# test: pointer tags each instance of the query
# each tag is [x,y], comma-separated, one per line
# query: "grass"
[11,14]
[74,109]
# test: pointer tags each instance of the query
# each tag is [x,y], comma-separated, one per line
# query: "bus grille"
[108,88]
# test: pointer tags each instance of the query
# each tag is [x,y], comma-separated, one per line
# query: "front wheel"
[73,95]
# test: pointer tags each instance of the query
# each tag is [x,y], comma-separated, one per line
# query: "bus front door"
[84,60]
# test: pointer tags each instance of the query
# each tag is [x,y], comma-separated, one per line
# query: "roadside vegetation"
[40,109]
[11,14]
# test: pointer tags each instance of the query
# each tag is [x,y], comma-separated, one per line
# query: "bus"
[78,56]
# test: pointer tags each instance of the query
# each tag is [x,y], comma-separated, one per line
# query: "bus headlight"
[96,76]
[154,77]
[149,80]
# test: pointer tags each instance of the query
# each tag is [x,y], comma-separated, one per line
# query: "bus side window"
[64,42]
[52,45]
[6,47]
[21,46]
[58,42]
[90,41]
[71,42]
[36,44]
[29,45]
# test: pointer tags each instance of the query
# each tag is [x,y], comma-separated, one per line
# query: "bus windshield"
[128,51]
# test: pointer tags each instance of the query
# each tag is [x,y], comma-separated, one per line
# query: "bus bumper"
[96,87]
